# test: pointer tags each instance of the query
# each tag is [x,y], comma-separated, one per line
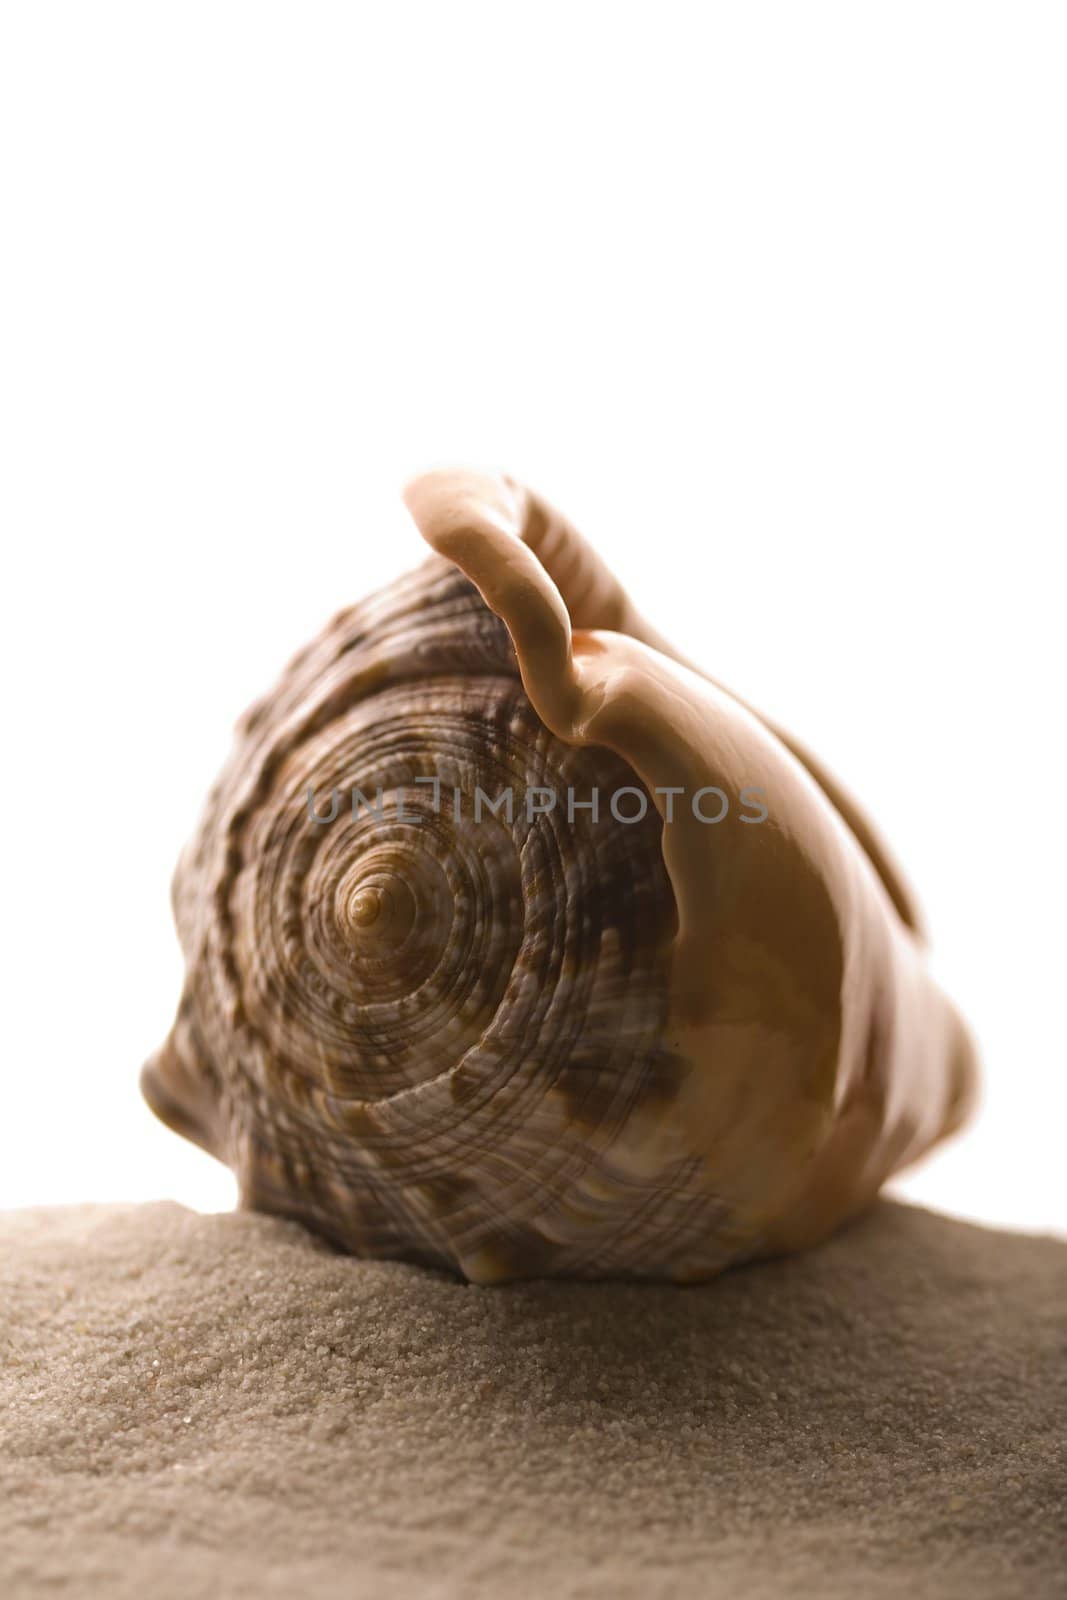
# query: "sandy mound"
[217,1406]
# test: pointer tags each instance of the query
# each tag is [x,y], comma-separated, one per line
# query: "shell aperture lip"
[795,940]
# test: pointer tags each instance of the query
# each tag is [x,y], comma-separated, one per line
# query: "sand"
[219,1406]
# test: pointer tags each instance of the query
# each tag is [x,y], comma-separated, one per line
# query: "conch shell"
[530,1041]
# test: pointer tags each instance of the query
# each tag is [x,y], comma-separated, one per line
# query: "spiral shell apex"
[474,979]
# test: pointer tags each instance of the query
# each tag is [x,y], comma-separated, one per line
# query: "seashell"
[647,1043]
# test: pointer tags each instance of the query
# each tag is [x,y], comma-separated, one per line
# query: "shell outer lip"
[595,672]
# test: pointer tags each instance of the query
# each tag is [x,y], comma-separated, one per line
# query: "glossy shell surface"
[516,1038]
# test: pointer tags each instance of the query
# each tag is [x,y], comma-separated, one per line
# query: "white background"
[770,298]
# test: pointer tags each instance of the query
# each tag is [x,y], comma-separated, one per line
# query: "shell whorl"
[517,1038]
[427,1026]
